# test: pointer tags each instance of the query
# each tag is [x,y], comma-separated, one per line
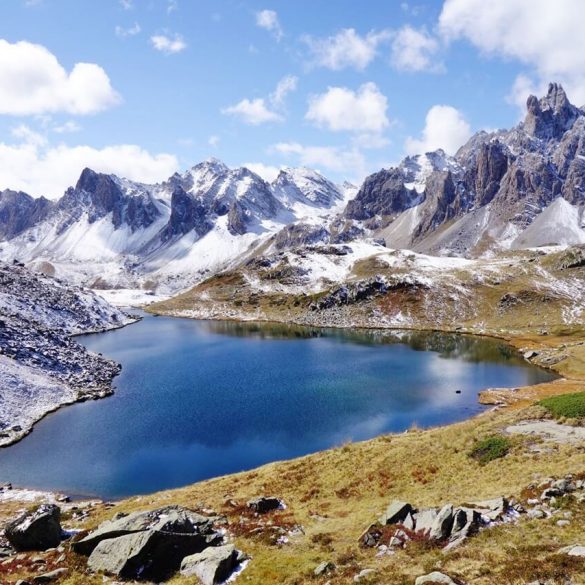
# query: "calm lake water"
[198,399]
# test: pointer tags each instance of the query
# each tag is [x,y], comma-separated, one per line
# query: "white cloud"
[349,162]
[340,108]
[345,49]
[546,36]
[253,112]
[445,127]
[285,86]
[261,111]
[168,44]
[128,32]
[172,5]
[67,127]
[268,20]
[267,172]
[127,4]
[36,167]
[415,50]
[32,81]
[214,141]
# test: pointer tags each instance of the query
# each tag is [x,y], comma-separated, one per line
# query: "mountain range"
[515,188]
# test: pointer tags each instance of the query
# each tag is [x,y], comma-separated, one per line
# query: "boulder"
[213,565]
[264,504]
[396,513]
[424,521]
[37,530]
[441,528]
[172,519]
[493,509]
[436,578]
[363,575]
[324,568]
[149,554]
[575,550]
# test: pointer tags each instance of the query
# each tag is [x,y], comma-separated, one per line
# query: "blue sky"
[344,86]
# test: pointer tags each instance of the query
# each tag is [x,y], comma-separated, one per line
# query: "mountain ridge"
[110,232]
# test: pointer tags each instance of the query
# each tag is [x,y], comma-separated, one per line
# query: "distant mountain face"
[107,231]
[515,188]
[490,192]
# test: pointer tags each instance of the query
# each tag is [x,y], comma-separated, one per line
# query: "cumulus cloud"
[445,127]
[267,172]
[128,32]
[260,110]
[340,108]
[214,141]
[349,162]
[415,50]
[253,112]
[345,49]
[32,81]
[268,20]
[33,165]
[546,36]
[168,44]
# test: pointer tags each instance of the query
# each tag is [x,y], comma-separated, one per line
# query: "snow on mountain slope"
[109,232]
[41,367]
[558,224]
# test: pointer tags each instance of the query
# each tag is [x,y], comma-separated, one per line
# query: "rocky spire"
[551,116]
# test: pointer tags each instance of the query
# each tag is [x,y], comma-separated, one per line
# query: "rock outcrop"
[36,530]
[155,544]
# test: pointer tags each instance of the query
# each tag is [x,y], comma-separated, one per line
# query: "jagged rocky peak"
[306,186]
[552,115]
[19,211]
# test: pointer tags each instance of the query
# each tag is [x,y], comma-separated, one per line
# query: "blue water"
[198,399]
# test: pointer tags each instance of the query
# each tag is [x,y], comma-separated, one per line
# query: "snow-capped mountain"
[506,189]
[108,232]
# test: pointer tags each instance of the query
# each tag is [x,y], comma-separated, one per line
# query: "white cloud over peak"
[32,81]
[546,36]
[35,166]
[340,108]
[260,110]
[267,172]
[268,20]
[345,49]
[415,50]
[167,44]
[348,162]
[445,127]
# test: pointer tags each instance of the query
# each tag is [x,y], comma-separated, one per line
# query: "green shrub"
[490,448]
[566,405]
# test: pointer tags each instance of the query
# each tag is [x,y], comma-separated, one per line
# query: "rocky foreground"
[41,366]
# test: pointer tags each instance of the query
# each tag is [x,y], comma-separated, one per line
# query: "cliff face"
[490,191]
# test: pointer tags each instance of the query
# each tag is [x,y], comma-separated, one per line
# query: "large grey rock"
[441,528]
[425,520]
[37,530]
[396,513]
[149,554]
[213,565]
[494,509]
[436,578]
[171,519]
